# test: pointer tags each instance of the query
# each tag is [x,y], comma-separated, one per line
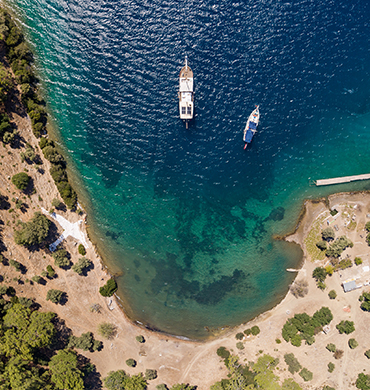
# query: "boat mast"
[186,62]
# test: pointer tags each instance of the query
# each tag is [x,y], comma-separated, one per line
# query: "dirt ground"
[176,360]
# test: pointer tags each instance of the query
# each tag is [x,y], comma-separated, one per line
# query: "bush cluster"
[292,362]
[346,327]
[338,246]
[303,327]
[254,331]
[306,375]
[85,342]
[365,299]
[58,172]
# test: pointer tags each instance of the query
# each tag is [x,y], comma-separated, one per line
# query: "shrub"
[292,362]
[162,386]
[131,362]
[33,232]
[61,259]
[367,226]
[346,327]
[322,245]
[81,250]
[37,279]
[3,290]
[21,180]
[331,347]
[299,288]
[240,345]
[248,331]
[321,285]
[331,367]
[95,308]
[306,375]
[367,353]
[328,234]
[140,339]
[81,265]
[338,354]
[109,288]
[358,260]
[67,193]
[107,330]
[85,342]
[56,203]
[54,296]
[150,374]
[332,294]
[329,270]
[15,264]
[255,330]
[278,341]
[50,271]
[223,353]
[352,343]
[239,336]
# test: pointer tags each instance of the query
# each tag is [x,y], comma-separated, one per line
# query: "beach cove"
[190,224]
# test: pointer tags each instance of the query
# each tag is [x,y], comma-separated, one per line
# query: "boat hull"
[186,93]
[251,126]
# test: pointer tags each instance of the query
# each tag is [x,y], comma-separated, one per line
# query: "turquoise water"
[187,216]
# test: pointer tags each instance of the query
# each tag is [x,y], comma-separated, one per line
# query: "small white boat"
[186,93]
[251,126]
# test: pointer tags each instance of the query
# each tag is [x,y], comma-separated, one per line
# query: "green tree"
[56,203]
[319,273]
[365,299]
[255,330]
[331,367]
[358,260]
[328,234]
[54,296]
[107,330]
[81,265]
[150,374]
[332,294]
[33,232]
[64,371]
[6,83]
[367,353]
[239,336]
[322,245]
[21,180]
[61,258]
[306,375]
[140,339]
[292,362]
[363,382]
[331,347]
[223,353]
[289,384]
[183,386]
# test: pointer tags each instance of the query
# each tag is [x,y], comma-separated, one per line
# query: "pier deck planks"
[344,179]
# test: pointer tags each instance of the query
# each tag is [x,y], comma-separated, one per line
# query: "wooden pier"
[340,180]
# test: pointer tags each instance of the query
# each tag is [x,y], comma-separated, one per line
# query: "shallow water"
[187,215]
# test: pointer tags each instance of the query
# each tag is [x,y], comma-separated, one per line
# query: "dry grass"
[312,238]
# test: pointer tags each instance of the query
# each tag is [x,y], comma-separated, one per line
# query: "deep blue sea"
[187,217]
